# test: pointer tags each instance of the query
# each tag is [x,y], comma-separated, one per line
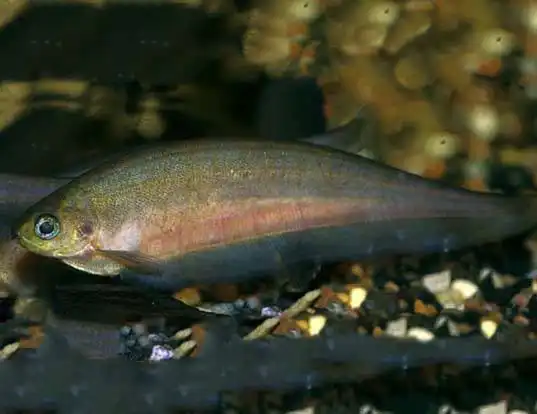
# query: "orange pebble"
[35,338]
[288,326]
[198,336]
[190,296]
[423,309]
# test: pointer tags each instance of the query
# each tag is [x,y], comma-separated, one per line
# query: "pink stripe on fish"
[165,234]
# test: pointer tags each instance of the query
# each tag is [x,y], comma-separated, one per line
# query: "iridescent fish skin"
[17,265]
[213,210]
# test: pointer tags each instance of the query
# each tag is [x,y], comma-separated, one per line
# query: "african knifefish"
[209,210]
[20,268]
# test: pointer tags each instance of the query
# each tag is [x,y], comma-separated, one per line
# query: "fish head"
[57,229]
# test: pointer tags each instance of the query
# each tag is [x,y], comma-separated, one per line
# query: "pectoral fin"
[142,270]
[134,261]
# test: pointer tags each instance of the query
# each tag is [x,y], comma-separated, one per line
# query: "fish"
[211,211]
[18,267]
[89,315]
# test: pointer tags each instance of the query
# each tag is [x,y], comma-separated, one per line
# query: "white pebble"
[447,409]
[497,281]
[437,282]
[397,328]
[452,326]
[495,408]
[484,273]
[466,288]
[368,409]
[451,299]
[316,324]
[9,350]
[307,410]
[488,328]
[357,297]
[160,353]
[421,334]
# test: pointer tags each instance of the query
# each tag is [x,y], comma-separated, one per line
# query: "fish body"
[207,210]
[19,267]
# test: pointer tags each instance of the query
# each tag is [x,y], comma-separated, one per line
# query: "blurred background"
[446,89]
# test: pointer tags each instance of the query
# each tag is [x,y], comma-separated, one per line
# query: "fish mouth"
[83,252]
[56,254]
[33,247]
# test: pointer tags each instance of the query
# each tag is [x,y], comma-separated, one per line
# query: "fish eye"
[47,226]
